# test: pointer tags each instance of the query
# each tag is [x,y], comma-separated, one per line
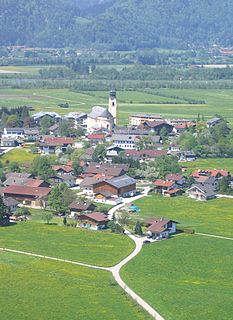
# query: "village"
[106,174]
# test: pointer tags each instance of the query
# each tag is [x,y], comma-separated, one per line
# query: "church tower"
[112,105]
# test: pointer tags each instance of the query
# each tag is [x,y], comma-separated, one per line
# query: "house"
[174,149]
[177,178]
[144,155]
[213,122]
[179,128]
[63,169]
[80,207]
[38,116]
[113,151]
[201,192]
[11,204]
[106,169]
[122,186]
[188,156]
[31,134]
[96,138]
[54,129]
[87,185]
[13,133]
[29,182]
[162,186]
[159,228]
[50,144]
[125,141]
[172,192]
[157,126]
[93,221]
[9,142]
[24,175]
[79,119]
[138,119]
[28,196]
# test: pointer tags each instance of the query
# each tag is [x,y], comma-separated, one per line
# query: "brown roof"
[105,170]
[173,191]
[96,136]
[82,206]
[18,175]
[145,153]
[174,177]
[58,141]
[62,167]
[158,225]
[95,216]
[163,183]
[27,191]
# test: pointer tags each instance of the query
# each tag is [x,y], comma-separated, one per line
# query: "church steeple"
[112,105]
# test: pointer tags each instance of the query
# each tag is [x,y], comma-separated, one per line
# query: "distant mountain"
[116,24]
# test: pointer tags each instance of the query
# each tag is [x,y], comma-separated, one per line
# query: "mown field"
[214,216]
[36,289]
[188,277]
[211,163]
[217,101]
[99,248]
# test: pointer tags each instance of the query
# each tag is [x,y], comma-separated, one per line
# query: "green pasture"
[99,248]
[37,289]
[18,155]
[211,163]
[213,216]
[217,101]
[187,277]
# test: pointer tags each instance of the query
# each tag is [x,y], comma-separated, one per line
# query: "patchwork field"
[214,216]
[36,289]
[217,101]
[99,248]
[188,277]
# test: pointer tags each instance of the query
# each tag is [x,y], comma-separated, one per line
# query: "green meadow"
[213,216]
[210,163]
[37,289]
[217,101]
[18,155]
[187,277]
[98,248]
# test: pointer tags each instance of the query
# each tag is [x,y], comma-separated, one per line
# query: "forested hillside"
[116,24]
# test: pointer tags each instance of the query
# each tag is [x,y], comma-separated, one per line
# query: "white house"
[159,228]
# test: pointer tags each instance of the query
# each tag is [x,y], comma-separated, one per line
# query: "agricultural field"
[188,277]
[19,156]
[33,69]
[33,289]
[211,163]
[99,248]
[217,101]
[213,216]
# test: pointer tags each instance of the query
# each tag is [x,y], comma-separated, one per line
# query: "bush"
[23,212]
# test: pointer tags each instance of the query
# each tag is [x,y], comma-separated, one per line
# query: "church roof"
[98,111]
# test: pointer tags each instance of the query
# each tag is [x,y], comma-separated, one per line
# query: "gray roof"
[21,130]
[98,111]
[213,120]
[122,181]
[10,202]
[29,131]
[18,175]
[124,137]
[208,190]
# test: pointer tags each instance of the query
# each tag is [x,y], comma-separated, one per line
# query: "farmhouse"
[123,186]
[159,228]
[63,169]
[162,186]
[93,221]
[125,141]
[49,144]
[80,207]
[29,182]
[29,196]
[201,192]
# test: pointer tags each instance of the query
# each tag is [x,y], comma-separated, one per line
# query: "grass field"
[18,155]
[217,101]
[35,289]
[215,163]
[188,277]
[99,248]
[214,216]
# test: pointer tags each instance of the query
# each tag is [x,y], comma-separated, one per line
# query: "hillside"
[116,24]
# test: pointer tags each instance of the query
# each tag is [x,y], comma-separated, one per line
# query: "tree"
[60,198]
[14,167]
[77,169]
[64,128]
[42,167]
[138,228]
[47,216]
[144,143]
[164,134]
[166,165]
[64,221]
[23,212]
[99,153]
[123,217]
[115,227]
[4,212]
[46,122]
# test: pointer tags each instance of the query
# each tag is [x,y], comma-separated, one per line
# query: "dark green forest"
[116,24]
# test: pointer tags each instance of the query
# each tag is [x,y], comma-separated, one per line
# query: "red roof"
[27,191]
[163,183]
[182,125]
[158,225]
[221,172]
[212,173]
[33,183]
[174,177]
[173,191]
[95,216]
[58,140]
[96,136]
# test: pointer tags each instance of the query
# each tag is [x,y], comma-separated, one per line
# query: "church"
[103,118]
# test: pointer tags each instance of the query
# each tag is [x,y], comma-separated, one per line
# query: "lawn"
[36,289]
[188,277]
[213,216]
[98,248]
[217,101]
[211,163]
[18,155]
